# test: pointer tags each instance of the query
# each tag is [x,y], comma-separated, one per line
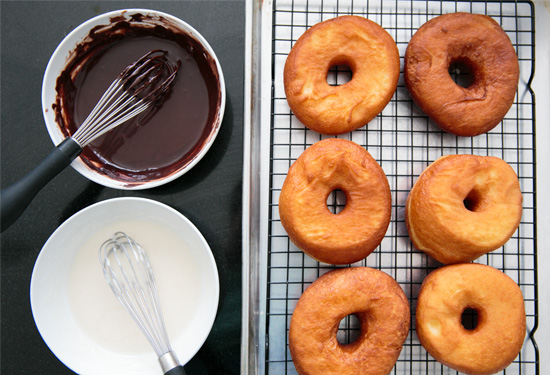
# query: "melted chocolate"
[164,140]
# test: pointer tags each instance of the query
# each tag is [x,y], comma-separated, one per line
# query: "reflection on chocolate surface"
[164,140]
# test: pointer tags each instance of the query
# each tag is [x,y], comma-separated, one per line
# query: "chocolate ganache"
[161,141]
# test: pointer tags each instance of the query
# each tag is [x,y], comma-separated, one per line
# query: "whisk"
[128,272]
[137,88]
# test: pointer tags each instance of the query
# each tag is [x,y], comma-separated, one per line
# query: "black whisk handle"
[176,371]
[15,198]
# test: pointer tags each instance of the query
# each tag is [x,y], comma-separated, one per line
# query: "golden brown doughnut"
[358,229]
[478,42]
[371,54]
[463,206]
[500,331]
[374,298]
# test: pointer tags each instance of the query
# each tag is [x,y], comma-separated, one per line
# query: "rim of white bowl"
[57,63]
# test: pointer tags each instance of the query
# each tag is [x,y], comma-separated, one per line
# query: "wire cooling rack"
[404,141]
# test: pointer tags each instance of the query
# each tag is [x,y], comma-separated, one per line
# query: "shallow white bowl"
[79,317]
[58,62]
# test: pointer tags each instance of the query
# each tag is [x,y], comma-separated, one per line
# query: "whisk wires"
[128,272]
[136,89]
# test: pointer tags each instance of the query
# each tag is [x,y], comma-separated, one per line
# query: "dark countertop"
[209,195]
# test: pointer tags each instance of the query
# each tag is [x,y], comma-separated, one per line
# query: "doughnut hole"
[462,72]
[469,318]
[349,330]
[336,201]
[339,74]
[474,201]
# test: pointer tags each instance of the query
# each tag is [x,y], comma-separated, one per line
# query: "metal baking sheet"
[403,140]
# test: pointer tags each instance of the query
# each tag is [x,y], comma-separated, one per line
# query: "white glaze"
[100,314]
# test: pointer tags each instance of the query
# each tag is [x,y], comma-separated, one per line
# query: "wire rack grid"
[404,141]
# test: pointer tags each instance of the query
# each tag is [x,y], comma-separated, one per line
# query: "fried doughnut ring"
[383,312]
[371,54]
[352,234]
[463,206]
[497,338]
[478,42]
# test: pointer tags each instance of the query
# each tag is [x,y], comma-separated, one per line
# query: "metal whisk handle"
[15,198]
[170,364]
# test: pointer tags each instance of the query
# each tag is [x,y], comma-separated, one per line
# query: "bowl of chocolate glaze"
[163,143]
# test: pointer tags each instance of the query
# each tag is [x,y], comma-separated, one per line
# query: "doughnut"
[477,42]
[353,41]
[349,236]
[374,298]
[483,348]
[463,206]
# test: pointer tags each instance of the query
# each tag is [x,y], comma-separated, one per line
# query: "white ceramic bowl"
[58,62]
[79,317]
